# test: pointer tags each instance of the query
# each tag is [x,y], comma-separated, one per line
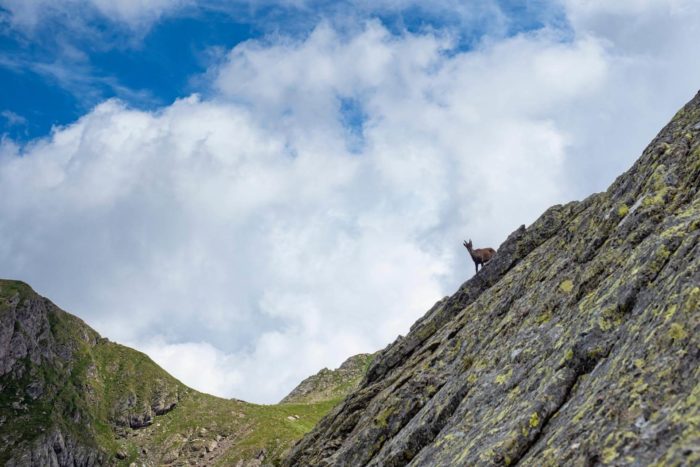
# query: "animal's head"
[468,244]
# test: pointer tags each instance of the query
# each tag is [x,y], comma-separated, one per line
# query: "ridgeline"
[69,397]
[579,344]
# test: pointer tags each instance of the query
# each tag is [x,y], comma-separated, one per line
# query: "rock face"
[579,344]
[65,393]
[55,449]
[331,384]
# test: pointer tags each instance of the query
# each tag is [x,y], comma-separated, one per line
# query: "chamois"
[480,256]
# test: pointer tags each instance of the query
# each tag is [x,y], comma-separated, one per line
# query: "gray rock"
[606,313]
[55,449]
[211,446]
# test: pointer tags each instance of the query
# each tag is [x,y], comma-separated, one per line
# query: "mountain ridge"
[577,344]
[71,397]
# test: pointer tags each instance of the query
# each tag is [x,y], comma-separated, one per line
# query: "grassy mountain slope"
[70,397]
[331,384]
[579,344]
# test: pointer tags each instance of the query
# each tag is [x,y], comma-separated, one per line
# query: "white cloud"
[248,239]
[13,118]
[134,13]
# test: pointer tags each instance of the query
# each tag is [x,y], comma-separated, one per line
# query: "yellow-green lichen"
[693,301]
[639,387]
[501,415]
[657,199]
[568,355]
[609,455]
[566,286]
[622,210]
[534,420]
[677,332]
[544,317]
[670,311]
[504,377]
[382,419]
[609,318]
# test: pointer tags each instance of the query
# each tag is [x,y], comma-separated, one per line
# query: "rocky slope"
[331,384]
[71,398]
[579,344]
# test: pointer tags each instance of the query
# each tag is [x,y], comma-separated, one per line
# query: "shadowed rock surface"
[578,344]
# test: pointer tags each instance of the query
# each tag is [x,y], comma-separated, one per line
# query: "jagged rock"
[55,449]
[579,344]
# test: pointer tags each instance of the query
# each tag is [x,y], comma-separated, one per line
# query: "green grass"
[334,384]
[247,428]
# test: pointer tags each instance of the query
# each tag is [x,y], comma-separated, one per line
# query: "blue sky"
[251,191]
[56,70]
[151,70]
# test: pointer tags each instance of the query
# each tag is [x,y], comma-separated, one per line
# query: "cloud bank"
[313,204]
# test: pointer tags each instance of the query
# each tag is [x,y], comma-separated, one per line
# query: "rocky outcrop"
[331,384]
[56,449]
[25,331]
[64,391]
[578,344]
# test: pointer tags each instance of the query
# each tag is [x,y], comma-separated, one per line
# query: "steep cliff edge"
[578,344]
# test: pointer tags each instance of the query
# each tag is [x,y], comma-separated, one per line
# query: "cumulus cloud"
[313,205]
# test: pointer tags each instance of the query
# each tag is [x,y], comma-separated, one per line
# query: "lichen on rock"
[600,299]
